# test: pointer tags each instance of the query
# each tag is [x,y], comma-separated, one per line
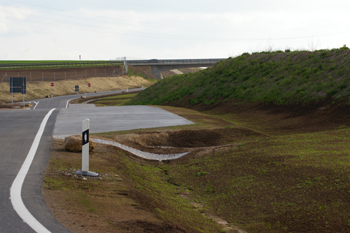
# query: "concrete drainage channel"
[142,154]
[139,153]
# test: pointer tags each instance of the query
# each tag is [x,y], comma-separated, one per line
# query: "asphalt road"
[18,129]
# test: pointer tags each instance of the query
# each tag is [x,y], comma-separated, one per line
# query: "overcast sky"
[139,29]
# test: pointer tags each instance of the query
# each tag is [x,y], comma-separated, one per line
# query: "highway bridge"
[157,65]
[161,65]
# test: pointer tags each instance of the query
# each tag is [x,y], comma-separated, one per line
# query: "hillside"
[40,89]
[290,77]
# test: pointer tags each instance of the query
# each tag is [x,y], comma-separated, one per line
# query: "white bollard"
[85,150]
[85,145]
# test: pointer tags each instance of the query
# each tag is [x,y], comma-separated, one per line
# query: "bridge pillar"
[156,73]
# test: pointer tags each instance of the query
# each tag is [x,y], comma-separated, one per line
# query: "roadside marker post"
[85,151]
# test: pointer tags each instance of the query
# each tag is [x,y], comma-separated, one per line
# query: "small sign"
[89,84]
[18,85]
[52,84]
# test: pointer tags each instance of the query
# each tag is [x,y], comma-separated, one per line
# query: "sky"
[171,29]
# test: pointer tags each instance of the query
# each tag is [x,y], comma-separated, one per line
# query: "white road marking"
[68,102]
[36,104]
[16,188]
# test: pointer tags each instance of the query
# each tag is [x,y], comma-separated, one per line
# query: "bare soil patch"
[108,203]
[114,203]
[280,119]
[263,168]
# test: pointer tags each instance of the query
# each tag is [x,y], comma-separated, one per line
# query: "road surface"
[19,132]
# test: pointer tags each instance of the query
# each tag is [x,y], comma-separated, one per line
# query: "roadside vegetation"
[296,183]
[269,148]
[42,89]
[283,182]
[280,77]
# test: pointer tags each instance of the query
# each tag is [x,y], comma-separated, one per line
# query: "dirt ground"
[280,120]
[123,208]
[130,210]
[108,203]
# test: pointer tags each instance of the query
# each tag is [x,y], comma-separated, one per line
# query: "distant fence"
[62,74]
[57,64]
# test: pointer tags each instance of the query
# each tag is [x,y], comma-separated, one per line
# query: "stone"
[73,143]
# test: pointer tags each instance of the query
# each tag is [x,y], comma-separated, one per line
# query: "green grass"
[152,181]
[271,77]
[275,185]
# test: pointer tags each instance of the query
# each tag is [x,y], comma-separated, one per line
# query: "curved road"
[18,128]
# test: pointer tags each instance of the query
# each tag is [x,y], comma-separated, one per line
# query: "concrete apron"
[109,119]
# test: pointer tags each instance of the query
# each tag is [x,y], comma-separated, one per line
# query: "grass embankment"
[133,195]
[297,183]
[39,90]
[271,77]
[287,183]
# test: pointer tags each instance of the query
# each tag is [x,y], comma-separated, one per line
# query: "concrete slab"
[109,119]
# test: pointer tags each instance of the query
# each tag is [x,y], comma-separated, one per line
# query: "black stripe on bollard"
[85,137]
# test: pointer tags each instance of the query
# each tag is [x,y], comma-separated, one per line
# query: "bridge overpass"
[161,65]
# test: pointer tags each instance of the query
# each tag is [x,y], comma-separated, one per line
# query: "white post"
[85,150]
[85,145]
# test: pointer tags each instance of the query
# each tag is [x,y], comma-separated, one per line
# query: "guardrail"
[175,61]
[58,64]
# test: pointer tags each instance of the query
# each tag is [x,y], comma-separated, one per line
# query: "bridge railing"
[175,61]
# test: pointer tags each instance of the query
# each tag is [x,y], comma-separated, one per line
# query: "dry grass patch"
[38,90]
